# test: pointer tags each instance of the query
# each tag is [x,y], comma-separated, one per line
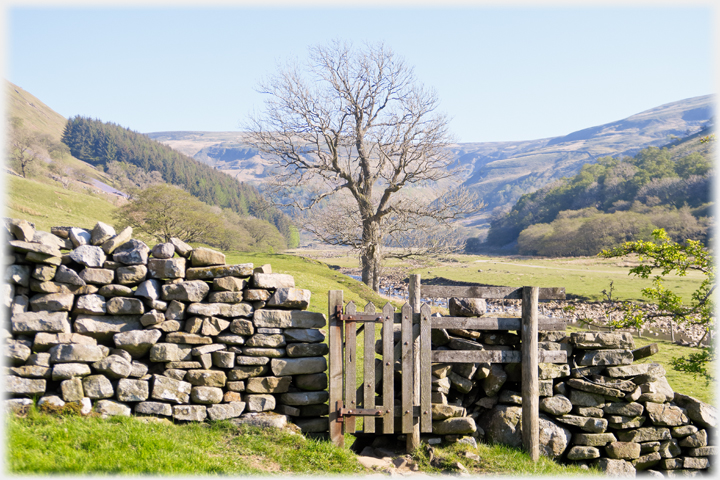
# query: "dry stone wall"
[99,319]
[600,408]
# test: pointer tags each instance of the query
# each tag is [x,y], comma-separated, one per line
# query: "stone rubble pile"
[599,408]
[98,318]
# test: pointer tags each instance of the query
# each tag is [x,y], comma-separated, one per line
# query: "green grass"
[46,444]
[49,204]
[582,277]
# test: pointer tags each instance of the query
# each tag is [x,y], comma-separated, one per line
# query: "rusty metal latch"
[356,412]
[358,317]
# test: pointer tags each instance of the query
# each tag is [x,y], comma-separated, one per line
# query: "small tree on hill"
[22,145]
[660,258]
[355,129]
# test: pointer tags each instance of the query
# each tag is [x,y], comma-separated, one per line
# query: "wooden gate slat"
[350,367]
[425,370]
[407,369]
[335,367]
[369,371]
[388,370]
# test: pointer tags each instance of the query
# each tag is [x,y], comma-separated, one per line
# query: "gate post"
[413,439]
[335,367]
[530,383]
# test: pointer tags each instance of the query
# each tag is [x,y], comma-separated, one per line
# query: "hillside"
[614,200]
[499,171]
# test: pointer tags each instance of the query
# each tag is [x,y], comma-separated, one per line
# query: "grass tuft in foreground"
[47,444]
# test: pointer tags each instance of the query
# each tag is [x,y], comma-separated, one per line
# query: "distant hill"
[36,116]
[500,172]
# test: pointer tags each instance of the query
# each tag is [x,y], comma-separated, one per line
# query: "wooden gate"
[413,356]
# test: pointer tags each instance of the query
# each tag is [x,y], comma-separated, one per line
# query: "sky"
[501,73]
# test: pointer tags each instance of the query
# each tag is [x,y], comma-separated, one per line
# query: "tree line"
[613,201]
[108,145]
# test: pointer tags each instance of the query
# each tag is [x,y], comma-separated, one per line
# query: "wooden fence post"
[530,383]
[335,367]
[413,439]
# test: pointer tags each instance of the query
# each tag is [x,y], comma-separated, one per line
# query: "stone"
[699,412]
[245,361]
[80,236]
[210,273]
[658,392]
[225,411]
[29,247]
[256,295]
[583,453]
[76,353]
[153,317]
[18,274]
[621,408]
[666,415]
[166,268]
[34,322]
[72,390]
[225,297]
[206,395]
[153,408]
[312,425]
[303,398]
[271,341]
[502,425]
[702,451]
[602,340]
[229,284]
[129,390]
[190,413]
[24,386]
[267,384]
[114,290]
[139,369]
[230,339]
[588,411]
[51,401]
[654,373]
[66,371]
[52,240]
[245,372]
[615,468]
[212,326]
[175,311]
[44,273]
[223,359]
[131,275]
[96,276]
[669,448]
[101,233]
[297,366]
[695,463]
[605,358]
[149,289]
[213,347]
[292,298]
[646,461]
[68,276]
[18,406]
[205,257]
[683,431]
[97,387]
[264,352]
[124,306]
[645,434]
[170,390]
[132,252]
[113,366]
[556,405]
[271,281]
[89,256]
[190,338]
[233,388]
[624,423]
[242,327]
[588,424]
[494,381]
[104,327]
[467,307]
[206,378]
[590,387]
[163,250]
[454,426]
[623,450]
[549,371]
[90,304]
[21,229]
[259,403]
[593,439]
[295,350]
[190,291]
[32,371]
[52,302]
[17,353]
[442,412]
[649,447]
[698,439]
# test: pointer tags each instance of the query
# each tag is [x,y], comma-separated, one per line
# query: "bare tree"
[22,145]
[354,128]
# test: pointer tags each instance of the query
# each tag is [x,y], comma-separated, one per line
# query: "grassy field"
[42,444]
[583,277]
[49,204]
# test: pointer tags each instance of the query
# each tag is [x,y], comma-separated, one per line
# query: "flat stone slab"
[272,281]
[303,398]
[645,434]
[190,291]
[268,420]
[34,322]
[154,408]
[602,340]
[76,353]
[606,358]
[103,327]
[454,426]
[297,366]
[210,273]
[288,319]
[588,424]
[593,439]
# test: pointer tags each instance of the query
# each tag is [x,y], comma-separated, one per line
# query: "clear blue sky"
[516,73]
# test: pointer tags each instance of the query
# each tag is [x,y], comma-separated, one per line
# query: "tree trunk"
[371,254]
